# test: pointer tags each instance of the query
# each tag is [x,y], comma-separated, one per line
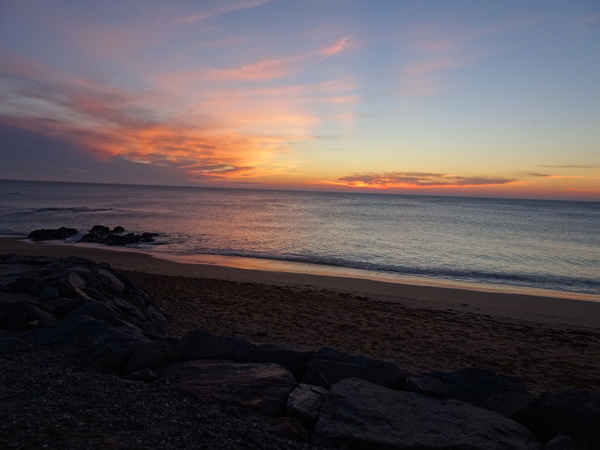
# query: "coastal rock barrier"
[98,234]
[323,396]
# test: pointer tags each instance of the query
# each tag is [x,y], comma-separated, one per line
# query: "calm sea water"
[541,244]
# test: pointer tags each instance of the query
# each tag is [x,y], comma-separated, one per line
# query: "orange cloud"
[110,123]
[413,180]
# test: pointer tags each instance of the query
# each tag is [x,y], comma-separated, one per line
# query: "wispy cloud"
[107,122]
[414,180]
[220,9]
[573,166]
[274,68]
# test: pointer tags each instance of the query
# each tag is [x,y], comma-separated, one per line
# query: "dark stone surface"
[359,414]
[476,385]
[424,384]
[574,413]
[261,387]
[52,234]
[305,403]
[328,366]
[101,234]
[69,283]
[200,344]
[560,442]
[508,403]
[19,313]
[153,355]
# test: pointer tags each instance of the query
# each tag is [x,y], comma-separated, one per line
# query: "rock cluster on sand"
[323,397]
[98,234]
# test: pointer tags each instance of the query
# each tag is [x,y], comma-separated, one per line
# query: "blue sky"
[461,97]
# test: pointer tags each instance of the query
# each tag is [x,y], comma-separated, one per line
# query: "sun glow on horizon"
[343,95]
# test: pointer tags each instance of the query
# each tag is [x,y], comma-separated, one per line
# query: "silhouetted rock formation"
[52,234]
[325,396]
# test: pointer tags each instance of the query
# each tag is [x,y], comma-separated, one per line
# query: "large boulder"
[472,385]
[153,355]
[20,312]
[574,413]
[328,366]
[359,414]
[52,234]
[102,346]
[69,283]
[305,403]
[199,344]
[261,387]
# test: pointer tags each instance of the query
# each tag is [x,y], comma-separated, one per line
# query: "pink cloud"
[219,10]
[274,68]
[107,122]
[412,180]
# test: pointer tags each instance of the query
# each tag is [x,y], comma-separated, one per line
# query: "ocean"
[542,244]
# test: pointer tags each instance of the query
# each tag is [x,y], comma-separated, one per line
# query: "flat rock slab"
[359,414]
[199,344]
[262,387]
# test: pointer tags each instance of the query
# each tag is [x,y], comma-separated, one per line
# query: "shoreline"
[313,269]
[507,303]
[551,343]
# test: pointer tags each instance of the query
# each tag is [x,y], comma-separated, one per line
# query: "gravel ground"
[48,401]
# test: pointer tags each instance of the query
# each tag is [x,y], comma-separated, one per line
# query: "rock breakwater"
[320,397]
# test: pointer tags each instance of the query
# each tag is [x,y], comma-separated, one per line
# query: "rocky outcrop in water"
[324,397]
[98,234]
[52,234]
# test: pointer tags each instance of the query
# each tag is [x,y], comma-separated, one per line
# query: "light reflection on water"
[543,244]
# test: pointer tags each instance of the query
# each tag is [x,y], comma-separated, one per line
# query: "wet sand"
[551,342]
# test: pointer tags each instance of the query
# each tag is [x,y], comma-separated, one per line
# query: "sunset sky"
[490,98]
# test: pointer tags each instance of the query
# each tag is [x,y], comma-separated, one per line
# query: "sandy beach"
[551,342]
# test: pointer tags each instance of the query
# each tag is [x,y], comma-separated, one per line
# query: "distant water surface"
[532,243]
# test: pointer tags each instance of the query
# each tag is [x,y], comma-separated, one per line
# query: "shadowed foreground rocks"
[75,328]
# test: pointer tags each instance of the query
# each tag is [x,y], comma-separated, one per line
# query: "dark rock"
[423,384]
[560,442]
[45,292]
[476,386]
[100,229]
[100,234]
[19,313]
[98,311]
[148,237]
[75,330]
[359,414]
[305,403]
[109,280]
[261,387]
[56,289]
[61,307]
[52,234]
[22,284]
[112,349]
[75,279]
[200,344]
[328,366]
[508,403]
[152,355]
[146,375]
[574,413]
[15,343]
